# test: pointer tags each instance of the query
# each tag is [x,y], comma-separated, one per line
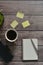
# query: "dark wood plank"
[33,34]
[40,63]
[35,21]
[17,52]
[40,53]
[33,11]
[25,34]
[20,0]
[23,63]
[28,7]
[2,37]
[27,63]
[16,48]
[1,63]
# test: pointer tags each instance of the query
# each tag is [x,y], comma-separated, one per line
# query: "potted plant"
[1,18]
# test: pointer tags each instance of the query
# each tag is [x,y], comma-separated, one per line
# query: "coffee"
[11,35]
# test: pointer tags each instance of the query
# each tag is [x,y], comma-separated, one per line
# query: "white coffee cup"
[11,35]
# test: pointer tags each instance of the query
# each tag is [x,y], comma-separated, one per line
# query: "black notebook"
[5,53]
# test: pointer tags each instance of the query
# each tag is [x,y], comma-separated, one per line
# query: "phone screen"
[5,53]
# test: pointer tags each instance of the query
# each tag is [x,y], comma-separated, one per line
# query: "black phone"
[5,53]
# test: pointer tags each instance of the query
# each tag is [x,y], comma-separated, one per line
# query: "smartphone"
[5,53]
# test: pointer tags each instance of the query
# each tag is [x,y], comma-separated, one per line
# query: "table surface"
[33,11]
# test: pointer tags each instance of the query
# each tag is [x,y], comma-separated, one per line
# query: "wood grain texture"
[20,0]
[35,21]
[21,35]
[28,7]
[17,52]
[33,11]
[27,63]
[40,53]
[23,63]
[16,48]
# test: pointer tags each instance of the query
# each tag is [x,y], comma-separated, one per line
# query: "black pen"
[34,46]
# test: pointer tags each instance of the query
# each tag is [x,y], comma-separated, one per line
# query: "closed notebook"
[30,49]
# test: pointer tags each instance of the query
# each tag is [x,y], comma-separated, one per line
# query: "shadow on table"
[5,53]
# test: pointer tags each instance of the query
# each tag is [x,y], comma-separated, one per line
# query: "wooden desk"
[33,11]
